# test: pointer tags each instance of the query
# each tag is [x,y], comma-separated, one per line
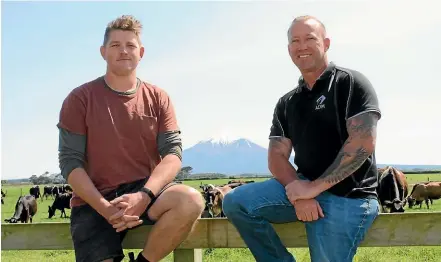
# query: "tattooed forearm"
[279,151]
[357,148]
[346,163]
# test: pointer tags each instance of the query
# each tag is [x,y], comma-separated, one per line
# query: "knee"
[191,203]
[231,204]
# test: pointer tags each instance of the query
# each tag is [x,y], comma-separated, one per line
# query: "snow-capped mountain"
[227,142]
[227,156]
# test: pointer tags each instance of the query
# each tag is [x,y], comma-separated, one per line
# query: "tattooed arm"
[279,151]
[362,130]
[280,146]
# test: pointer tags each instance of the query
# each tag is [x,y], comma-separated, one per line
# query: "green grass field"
[410,254]
[414,178]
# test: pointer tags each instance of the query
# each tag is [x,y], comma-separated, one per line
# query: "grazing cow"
[25,209]
[3,196]
[35,191]
[214,196]
[47,191]
[412,201]
[61,202]
[392,190]
[424,192]
[55,191]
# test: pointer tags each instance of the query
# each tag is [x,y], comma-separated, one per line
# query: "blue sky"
[229,59]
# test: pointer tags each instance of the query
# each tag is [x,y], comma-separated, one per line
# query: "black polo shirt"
[315,122]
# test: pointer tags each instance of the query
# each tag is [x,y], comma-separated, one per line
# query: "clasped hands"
[125,211]
[301,194]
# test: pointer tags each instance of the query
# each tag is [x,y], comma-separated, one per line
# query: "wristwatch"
[148,192]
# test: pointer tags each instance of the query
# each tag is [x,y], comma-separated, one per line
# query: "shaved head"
[310,20]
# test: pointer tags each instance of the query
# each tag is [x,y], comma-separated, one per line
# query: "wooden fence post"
[187,255]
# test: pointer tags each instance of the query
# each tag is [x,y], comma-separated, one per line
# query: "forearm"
[282,170]
[279,151]
[164,173]
[349,159]
[357,148]
[83,186]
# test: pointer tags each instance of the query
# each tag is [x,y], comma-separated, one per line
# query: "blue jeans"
[335,238]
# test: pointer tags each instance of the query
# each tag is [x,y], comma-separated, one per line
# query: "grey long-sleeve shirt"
[72,149]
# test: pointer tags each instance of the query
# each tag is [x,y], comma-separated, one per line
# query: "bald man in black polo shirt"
[330,121]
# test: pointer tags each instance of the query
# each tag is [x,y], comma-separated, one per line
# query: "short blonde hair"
[126,23]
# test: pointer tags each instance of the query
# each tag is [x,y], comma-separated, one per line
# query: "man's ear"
[103,52]
[141,51]
[327,43]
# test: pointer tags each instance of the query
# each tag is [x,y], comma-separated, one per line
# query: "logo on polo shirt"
[320,104]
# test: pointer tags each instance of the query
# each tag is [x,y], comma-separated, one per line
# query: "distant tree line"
[186,174]
[421,171]
[47,178]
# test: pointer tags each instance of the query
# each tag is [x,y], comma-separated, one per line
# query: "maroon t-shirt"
[121,131]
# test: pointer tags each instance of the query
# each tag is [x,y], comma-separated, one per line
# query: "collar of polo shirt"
[324,76]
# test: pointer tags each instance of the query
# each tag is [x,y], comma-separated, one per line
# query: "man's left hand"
[301,189]
[134,204]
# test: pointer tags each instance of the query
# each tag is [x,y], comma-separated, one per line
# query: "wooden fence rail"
[406,229]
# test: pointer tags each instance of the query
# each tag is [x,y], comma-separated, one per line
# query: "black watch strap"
[148,192]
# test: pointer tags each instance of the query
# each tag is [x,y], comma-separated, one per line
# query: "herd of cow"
[26,206]
[392,192]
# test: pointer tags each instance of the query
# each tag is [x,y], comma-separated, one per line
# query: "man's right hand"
[308,210]
[118,219]
[86,190]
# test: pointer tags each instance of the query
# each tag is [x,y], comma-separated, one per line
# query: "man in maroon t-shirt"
[120,150]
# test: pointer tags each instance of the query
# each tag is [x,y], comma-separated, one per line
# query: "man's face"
[122,52]
[308,45]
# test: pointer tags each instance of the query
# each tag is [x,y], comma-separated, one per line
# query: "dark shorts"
[94,239]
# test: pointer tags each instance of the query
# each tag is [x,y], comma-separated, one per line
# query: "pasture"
[212,255]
